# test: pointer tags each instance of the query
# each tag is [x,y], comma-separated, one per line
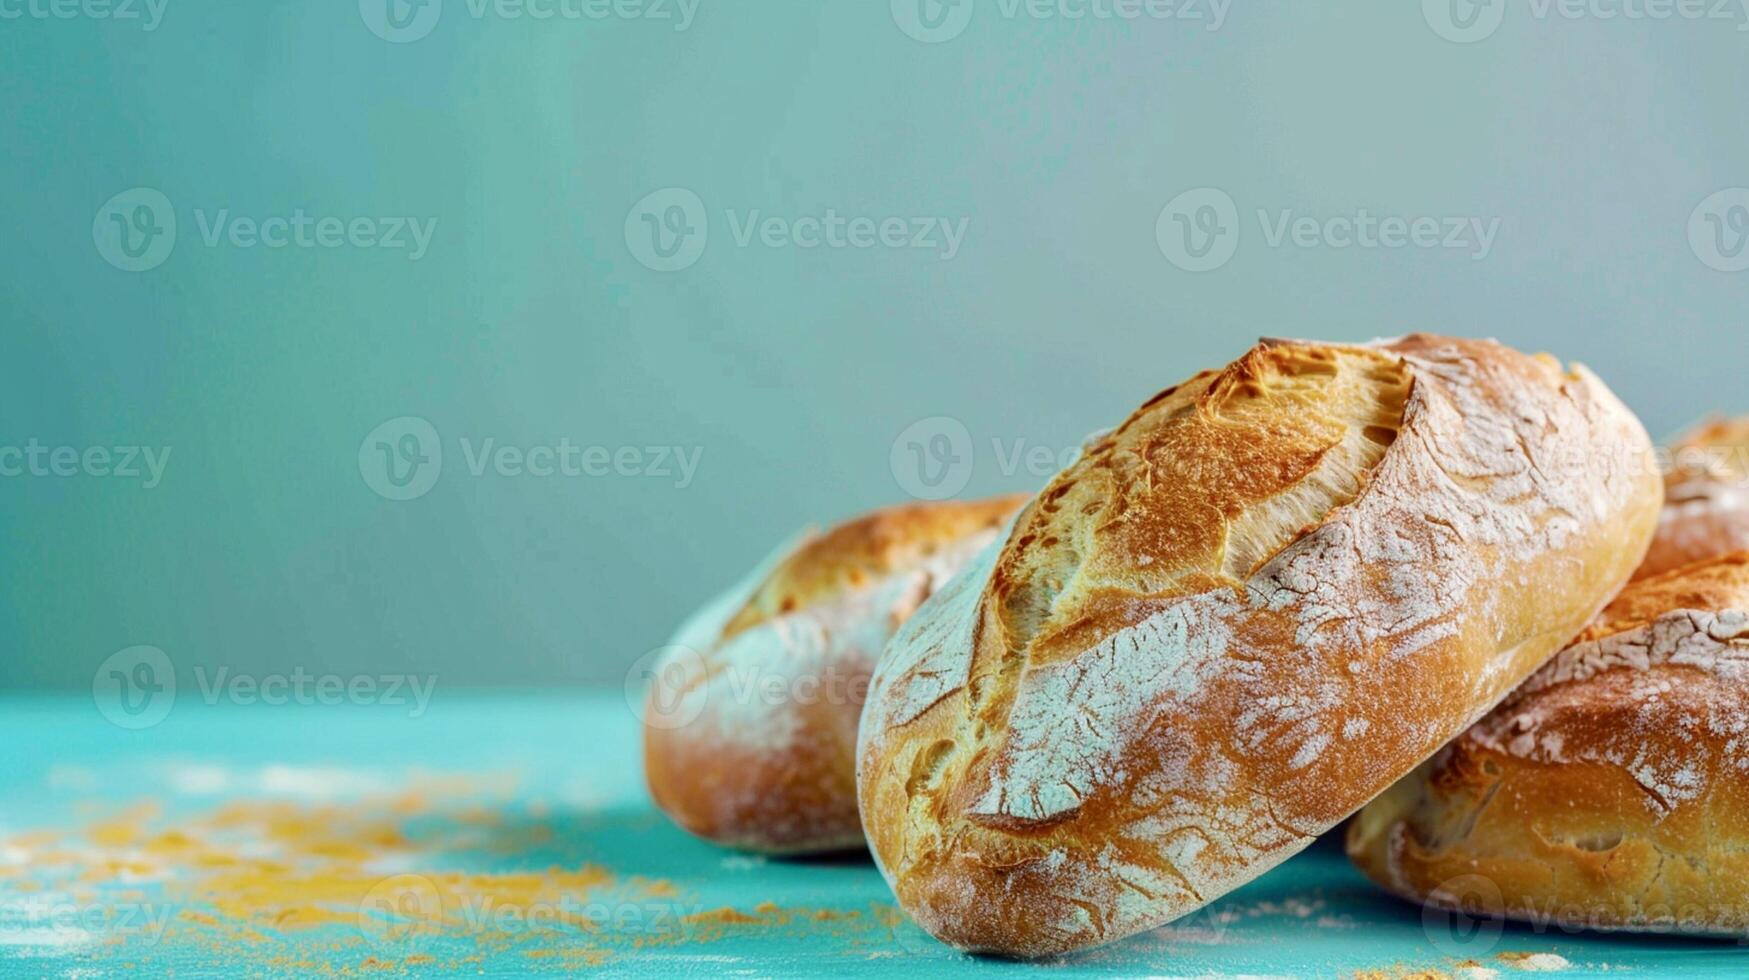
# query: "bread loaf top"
[750,724]
[857,553]
[1256,603]
[1706,512]
[826,605]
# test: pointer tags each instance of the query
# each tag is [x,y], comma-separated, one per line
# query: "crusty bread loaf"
[1706,509]
[750,724]
[1252,607]
[1607,792]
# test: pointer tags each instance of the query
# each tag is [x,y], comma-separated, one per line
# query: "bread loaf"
[1243,613]
[1608,791]
[1706,509]
[750,724]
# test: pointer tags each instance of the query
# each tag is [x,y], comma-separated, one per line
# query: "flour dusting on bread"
[1641,698]
[760,694]
[834,641]
[1652,683]
[1606,792]
[1072,723]
[1259,601]
[931,652]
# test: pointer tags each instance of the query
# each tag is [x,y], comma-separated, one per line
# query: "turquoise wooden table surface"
[511,835]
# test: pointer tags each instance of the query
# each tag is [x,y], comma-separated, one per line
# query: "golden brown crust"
[1716,583]
[1706,512]
[1606,793]
[750,733]
[1244,612]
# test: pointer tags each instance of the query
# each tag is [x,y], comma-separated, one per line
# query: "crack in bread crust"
[1244,612]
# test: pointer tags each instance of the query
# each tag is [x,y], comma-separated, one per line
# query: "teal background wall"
[1595,144]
